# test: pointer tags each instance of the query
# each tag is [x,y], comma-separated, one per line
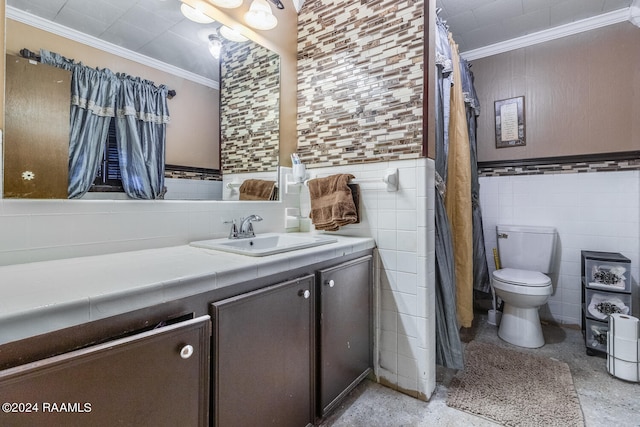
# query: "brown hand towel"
[332,204]
[257,189]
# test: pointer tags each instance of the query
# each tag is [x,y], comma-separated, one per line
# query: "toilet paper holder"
[623,347]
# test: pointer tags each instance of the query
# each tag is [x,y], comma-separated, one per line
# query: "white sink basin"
[264,244]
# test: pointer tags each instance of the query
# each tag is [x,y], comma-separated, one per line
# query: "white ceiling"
[479,23]
[157,29]
[154,28]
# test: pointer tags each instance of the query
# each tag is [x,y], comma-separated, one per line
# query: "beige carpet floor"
[515,388]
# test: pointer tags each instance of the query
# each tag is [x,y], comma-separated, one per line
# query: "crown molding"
[634,13]
[583,25]
[66,32]
[298,5]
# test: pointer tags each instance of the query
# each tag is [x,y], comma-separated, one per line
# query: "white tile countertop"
[41,297]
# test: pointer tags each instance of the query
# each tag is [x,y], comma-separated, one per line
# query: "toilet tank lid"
[526,229]
[522,277]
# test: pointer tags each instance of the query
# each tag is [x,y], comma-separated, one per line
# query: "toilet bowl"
[523,292]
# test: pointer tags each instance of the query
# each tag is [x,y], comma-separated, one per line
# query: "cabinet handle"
[331,283]
[186,351]
[304,293]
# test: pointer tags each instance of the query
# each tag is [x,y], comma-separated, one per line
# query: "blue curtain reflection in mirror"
[141,112]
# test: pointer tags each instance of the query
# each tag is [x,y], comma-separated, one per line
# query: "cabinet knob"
[331,283]
[304,293]
[186,351]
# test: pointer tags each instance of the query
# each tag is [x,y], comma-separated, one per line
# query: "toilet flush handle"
[503,236]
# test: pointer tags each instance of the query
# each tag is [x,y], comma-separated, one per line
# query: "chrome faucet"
[233,233]
[246,228]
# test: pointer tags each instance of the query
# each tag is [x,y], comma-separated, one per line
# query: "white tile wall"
[403,226]
[597,211]
[38,230]
[1,163]
[192,189]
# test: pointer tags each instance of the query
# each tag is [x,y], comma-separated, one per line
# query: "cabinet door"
[344,330]
[36,140]
[149,379]
[263,353]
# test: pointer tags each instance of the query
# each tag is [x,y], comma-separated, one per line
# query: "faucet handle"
[250,232]
[233,233]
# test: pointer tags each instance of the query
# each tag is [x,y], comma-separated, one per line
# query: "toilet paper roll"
[628,371]
[622,348]
[624,326]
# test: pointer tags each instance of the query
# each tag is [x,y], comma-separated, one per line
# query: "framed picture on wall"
[510,127]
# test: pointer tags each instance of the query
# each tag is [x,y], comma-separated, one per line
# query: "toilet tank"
[526,247]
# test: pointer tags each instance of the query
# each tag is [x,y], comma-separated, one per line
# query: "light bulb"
[227,4]
[194,14]
[215,46]
[260,17]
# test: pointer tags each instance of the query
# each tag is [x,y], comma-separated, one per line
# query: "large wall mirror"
[224,124]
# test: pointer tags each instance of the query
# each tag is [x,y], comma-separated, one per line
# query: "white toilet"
[526,256]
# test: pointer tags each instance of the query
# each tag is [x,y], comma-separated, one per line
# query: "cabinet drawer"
[596,335]
[608,275]
[607,271]
[599,304]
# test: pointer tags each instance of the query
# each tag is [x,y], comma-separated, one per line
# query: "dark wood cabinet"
[159,377]
[344,330]
[263,356]
[36,134]
[286,355]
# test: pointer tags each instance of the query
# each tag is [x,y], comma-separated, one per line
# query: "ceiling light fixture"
[194,14]
[215,46]
[278,4]
[227,4]
[232,35]
[260,16]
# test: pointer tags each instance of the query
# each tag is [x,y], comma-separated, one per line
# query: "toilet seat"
[515,276]
[523,282]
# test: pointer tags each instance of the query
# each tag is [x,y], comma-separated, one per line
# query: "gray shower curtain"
[481,281]
[448,346]
[449,351]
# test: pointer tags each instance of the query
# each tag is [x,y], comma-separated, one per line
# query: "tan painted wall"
[2,61]
[192,136]
[582,94]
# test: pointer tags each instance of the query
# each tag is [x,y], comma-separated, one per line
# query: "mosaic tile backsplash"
[360,81]
[182,172]
[249,108]
[562,167]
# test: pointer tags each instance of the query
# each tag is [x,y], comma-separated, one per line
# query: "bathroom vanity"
[195,337]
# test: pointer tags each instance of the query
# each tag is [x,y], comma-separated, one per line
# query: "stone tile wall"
[249,108]
[360,81]
[562,167]
[184,172]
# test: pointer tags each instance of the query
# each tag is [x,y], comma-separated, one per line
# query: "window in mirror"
[108,177]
